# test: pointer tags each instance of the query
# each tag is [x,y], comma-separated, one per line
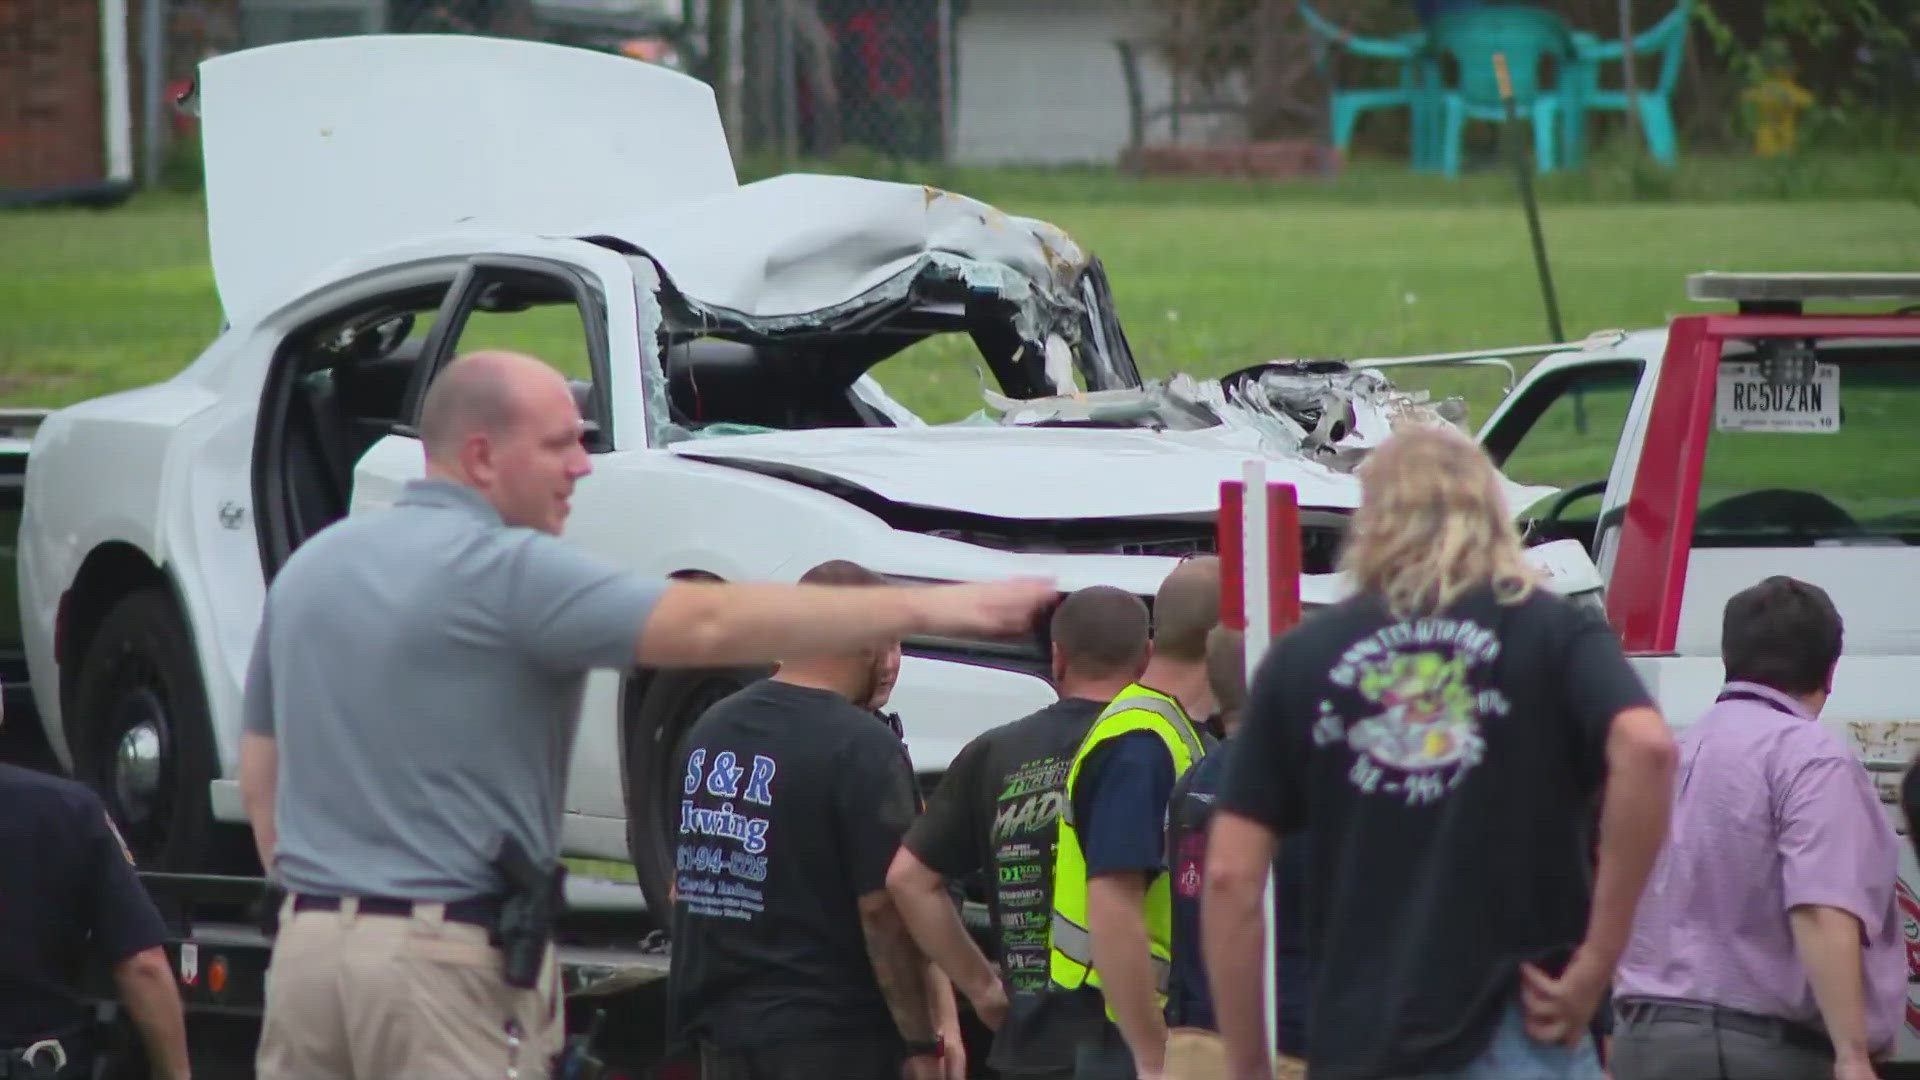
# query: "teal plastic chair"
[1529,38]
[1414,90]
[1667,39]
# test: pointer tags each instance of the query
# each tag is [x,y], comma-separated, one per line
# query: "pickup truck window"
[1849,476]
[1565,433]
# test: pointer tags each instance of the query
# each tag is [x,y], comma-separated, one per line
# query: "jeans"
[1513,1055]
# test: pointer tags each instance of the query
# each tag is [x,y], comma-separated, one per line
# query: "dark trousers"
[852,1059]
[1705,1046]
[1102,1054]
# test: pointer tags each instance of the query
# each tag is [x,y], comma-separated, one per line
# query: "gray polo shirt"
[421,670]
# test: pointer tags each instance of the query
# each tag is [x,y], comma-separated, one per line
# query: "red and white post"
[1259,538]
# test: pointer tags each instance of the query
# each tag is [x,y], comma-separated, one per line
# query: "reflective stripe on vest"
[1076,942]
[1070,952]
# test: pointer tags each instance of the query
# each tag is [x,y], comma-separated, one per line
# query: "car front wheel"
[143,739]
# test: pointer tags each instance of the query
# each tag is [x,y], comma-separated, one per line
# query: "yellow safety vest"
[1137,708]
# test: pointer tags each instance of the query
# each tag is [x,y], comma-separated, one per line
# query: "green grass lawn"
[92,301]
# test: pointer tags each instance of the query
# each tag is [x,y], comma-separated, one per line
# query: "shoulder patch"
[117,838]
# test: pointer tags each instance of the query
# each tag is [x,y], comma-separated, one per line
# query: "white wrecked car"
[378,205]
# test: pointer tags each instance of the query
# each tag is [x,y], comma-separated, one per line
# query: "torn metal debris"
[1319,409]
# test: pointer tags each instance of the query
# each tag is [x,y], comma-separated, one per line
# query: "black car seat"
[711,380]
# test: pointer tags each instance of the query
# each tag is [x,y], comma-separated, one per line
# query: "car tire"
[655,725]
[143,737]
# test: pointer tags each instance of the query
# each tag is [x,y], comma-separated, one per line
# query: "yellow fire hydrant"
[1779,101]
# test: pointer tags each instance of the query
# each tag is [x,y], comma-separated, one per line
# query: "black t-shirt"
[70,895]
[792,805]
[1447,767]
[996,811]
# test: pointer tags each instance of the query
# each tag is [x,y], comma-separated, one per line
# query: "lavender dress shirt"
[1771,810]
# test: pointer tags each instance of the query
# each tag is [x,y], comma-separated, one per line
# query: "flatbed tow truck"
[1690,460]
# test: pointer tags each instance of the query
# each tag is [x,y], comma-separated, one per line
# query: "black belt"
[476,911]
[1788,1032]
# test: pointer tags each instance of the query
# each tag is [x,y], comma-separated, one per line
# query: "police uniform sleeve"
[874,806]
[573,610]
[1122,800]
[1266,779]
[121,915]
[947,836]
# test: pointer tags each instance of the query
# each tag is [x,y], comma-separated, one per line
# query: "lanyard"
[1760,699]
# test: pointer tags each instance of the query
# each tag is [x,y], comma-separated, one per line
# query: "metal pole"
[943,40]
[1525,174]
[153,83]
[1253,538]
[1626,62]
[789,90]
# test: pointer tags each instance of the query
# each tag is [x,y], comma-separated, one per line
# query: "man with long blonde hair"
[1444,731]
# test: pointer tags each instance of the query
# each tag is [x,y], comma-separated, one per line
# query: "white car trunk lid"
[324,149]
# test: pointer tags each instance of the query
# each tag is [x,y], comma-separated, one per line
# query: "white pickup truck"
[1694,460]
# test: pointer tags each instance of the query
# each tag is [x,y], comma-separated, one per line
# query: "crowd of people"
[1489,855]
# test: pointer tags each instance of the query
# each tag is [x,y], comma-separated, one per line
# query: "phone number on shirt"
[718,861]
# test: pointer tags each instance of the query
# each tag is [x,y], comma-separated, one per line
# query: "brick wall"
[51,110]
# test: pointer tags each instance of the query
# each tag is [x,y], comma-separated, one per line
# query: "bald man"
[422,668]
[1112,926]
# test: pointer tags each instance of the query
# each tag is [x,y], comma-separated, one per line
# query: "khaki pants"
[374,997]
[1198,1054]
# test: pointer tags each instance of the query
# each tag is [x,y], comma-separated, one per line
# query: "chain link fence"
[87,87]
[817,78]
[793,78]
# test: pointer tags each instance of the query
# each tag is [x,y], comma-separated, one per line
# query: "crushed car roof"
[796,246]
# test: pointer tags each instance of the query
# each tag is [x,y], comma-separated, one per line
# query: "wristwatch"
[935,1047]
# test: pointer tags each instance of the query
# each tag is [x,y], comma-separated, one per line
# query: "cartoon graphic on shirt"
[1422,734]
[1428,722]
[1910,930]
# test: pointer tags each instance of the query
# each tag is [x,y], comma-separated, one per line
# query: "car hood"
[320,150]
[1038,473]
